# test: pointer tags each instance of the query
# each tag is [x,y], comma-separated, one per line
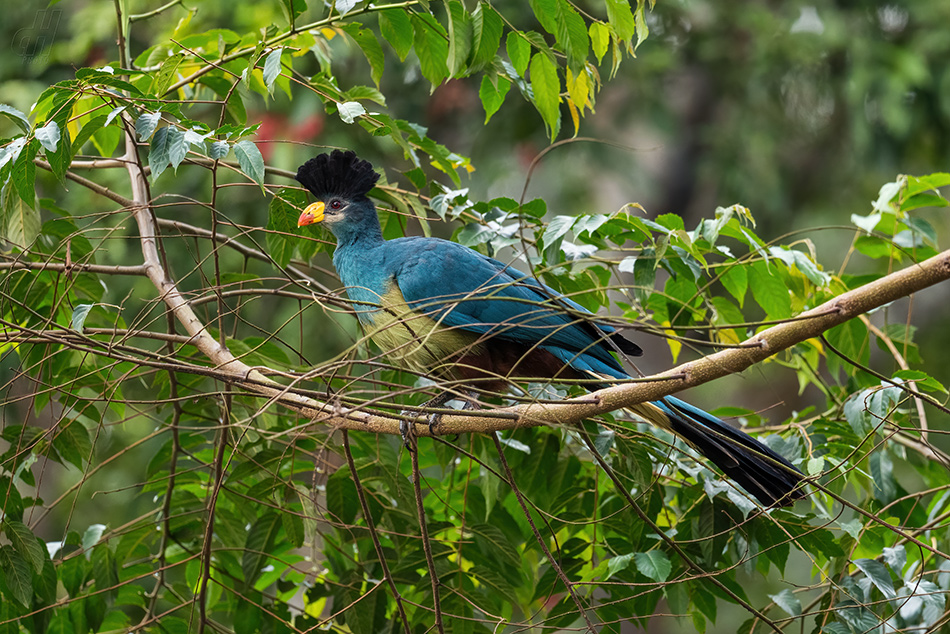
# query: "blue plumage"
[442,308]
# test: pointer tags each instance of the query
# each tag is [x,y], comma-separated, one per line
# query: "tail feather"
[759,470]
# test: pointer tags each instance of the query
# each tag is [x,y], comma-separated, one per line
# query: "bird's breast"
[412,338]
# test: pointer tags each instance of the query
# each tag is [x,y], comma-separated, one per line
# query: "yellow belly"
[414,340]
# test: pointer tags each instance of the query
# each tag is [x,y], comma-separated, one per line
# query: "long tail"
[762,472]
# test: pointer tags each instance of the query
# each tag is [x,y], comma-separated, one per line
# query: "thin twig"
[510,481]
[424,533]
[371,526]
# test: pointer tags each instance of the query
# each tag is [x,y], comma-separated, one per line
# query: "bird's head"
[339,181]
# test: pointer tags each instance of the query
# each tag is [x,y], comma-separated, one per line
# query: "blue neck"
[359,258]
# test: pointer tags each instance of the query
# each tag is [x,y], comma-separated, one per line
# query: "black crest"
[337,174]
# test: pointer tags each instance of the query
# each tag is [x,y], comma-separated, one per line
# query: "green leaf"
[918,184]
[769,291]
[165,75]
[260,539]
[48,136]
[293,527]
[146,123]
[644,275]
[106,140]
[546,87]
[272,68]
[460,38]
[371,48]
[61,158]
[350,110]
[895,558]
[616,564]
[17,576]
[432,47]
[25,543]
[704,601]
[654,564]
[492,93]
[24,173]
[923,380]
[736,280]
[16,116]
[342,502]
[250,160]
[72,443]
[852,528]
[487,29]
[571,34]
[80,312]
[641,21]
[284,209]
[92,535]
[599,39]
[621,18]
[803,263]
[882,474]
[104,570]
[158,153]
[851,340]
[787,600]
[519,52]
[21,222]
[87,131]
[396,27]
[177,143]
[877,573]
[219,149]
[293,9]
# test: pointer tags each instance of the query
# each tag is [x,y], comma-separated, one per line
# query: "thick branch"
[758,348]
[201,338]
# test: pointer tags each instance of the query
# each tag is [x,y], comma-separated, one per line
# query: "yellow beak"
[313,213]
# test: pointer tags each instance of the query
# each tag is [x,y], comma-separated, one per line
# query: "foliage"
[146,486]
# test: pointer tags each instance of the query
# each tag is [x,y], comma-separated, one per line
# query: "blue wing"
[463,289]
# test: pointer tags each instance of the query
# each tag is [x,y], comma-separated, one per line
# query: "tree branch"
[758,348]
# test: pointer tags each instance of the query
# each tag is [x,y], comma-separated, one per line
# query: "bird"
[440,308]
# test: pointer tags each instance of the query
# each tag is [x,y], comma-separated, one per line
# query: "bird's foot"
[433,420]
[406,429]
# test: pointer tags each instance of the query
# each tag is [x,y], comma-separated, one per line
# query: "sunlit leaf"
[250,160]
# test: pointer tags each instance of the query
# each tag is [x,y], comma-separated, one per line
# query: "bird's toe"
[434,420]
[406,430]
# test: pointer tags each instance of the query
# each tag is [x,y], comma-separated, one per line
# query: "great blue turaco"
[446,310]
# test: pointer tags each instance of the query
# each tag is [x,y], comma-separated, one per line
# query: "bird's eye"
[336,205]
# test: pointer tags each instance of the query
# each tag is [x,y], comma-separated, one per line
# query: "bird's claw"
[406,425]
[434,420]
[406,429]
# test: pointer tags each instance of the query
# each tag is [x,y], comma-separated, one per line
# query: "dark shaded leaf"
[654,564]
[260,539]
[17,576]
[25,543]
